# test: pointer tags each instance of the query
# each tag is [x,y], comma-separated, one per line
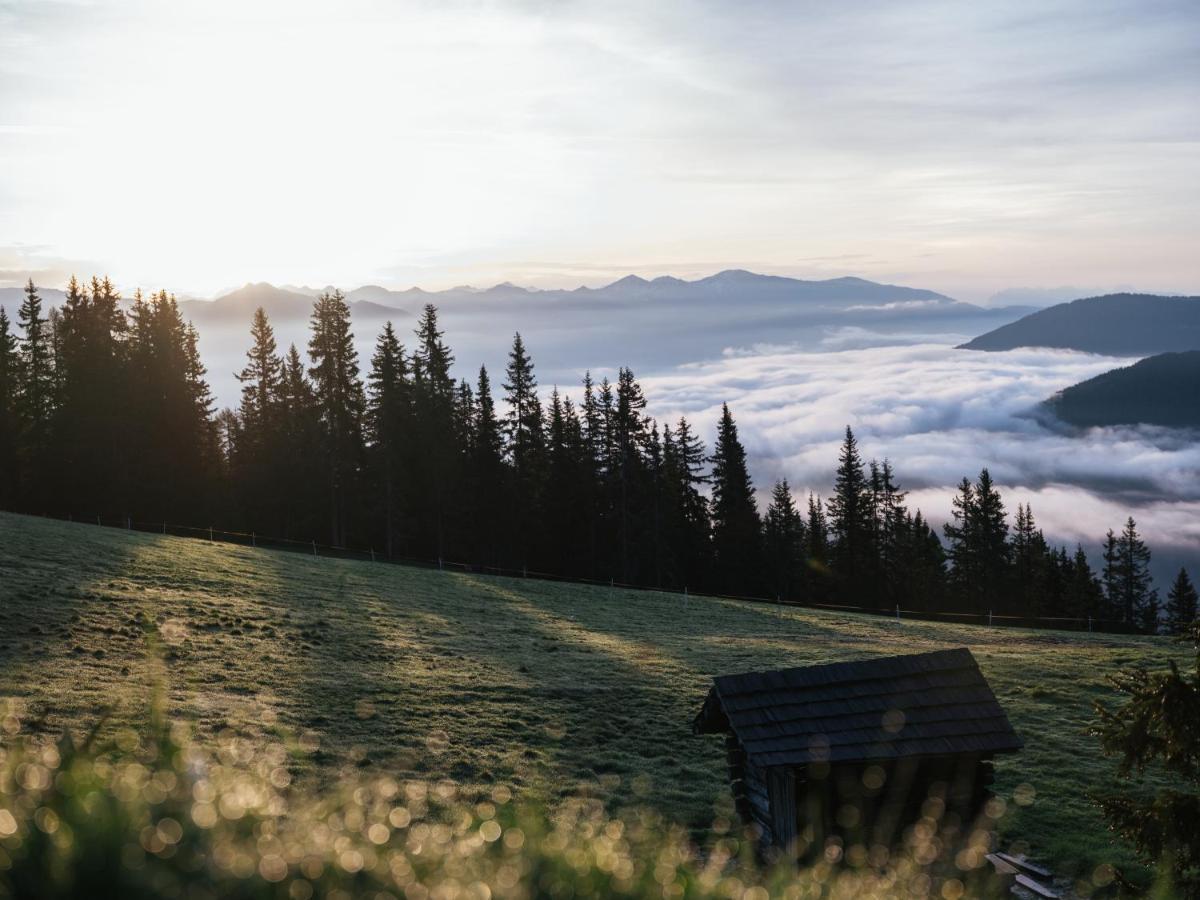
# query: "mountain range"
[1114,324]
[855,297]
[647,324]
[735,291]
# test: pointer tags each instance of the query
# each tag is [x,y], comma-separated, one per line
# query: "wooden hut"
[855,751]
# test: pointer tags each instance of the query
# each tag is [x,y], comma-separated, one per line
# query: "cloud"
[965,147]
[940,414]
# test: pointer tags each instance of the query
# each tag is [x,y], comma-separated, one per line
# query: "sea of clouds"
[938,414]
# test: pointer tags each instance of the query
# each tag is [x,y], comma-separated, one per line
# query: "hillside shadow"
[68,604]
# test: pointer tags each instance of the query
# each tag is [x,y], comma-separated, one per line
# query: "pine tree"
[10,378]
[1135,598]
[301,470]
[487,477]
[817,564]
[1181,604]
[1084,593]
[92,426]
[784,543]
[389,424]
[979,551]
[628,472]
[252,439]
[261,376]
[736,527]
[524,429]
[851,526]
[341,402]
[435,462]
[1110,579]
[688,526]
[889,532]
[1155,731]
[1032,567]
[35,390]
[919,568]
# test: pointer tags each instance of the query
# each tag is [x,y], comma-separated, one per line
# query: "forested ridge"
[107,411]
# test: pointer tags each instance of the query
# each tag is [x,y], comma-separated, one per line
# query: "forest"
[104,409]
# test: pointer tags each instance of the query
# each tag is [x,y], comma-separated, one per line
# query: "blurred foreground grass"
[557,690]
[160,816]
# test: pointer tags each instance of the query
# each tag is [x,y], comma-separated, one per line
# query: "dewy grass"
[160,816]
[559,691]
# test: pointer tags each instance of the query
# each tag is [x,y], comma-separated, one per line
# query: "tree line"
[104,408]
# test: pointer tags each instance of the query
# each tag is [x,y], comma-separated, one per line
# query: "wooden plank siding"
[799,743]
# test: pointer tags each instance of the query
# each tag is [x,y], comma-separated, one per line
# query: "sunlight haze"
[965,149]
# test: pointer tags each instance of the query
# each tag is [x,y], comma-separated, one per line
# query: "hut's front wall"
[870,804]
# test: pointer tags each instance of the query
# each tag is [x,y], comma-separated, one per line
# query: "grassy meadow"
[556,690]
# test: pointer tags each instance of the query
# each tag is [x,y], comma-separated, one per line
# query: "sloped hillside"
[555,689]
[1115,324]
[1159,390]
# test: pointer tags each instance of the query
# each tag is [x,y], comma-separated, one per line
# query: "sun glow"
[200,145]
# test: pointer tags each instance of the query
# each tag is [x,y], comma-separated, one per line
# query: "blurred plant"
[1159,727]
[161,815]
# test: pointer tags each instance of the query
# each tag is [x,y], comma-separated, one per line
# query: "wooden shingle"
[924,704]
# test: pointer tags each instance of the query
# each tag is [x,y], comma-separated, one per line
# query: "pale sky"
[963,147]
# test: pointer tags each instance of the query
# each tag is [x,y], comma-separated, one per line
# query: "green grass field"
[555,689]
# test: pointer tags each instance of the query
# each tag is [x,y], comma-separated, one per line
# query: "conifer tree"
[301,470]
[1181,604]
[688,526]
[889,532]
[851,525]
[1032,568]
[1155,731]
[252,437]
[341,402]
[629,444]
[35,389]
[784,543]
[1084,593]
[979,551]
[736,527]
[919,569]
[487,477]
[523,426]
[1135,597]
[1110,579]
[10,378]
[817,565]
[435,461]
[261,376]
[389,424]
[93,453]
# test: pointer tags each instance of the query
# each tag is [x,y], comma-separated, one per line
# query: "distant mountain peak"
[629,281]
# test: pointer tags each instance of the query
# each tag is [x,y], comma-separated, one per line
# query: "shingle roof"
[875,709]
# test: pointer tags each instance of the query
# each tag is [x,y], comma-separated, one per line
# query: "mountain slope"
[1115,324]
[1160,390]
[556,688]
